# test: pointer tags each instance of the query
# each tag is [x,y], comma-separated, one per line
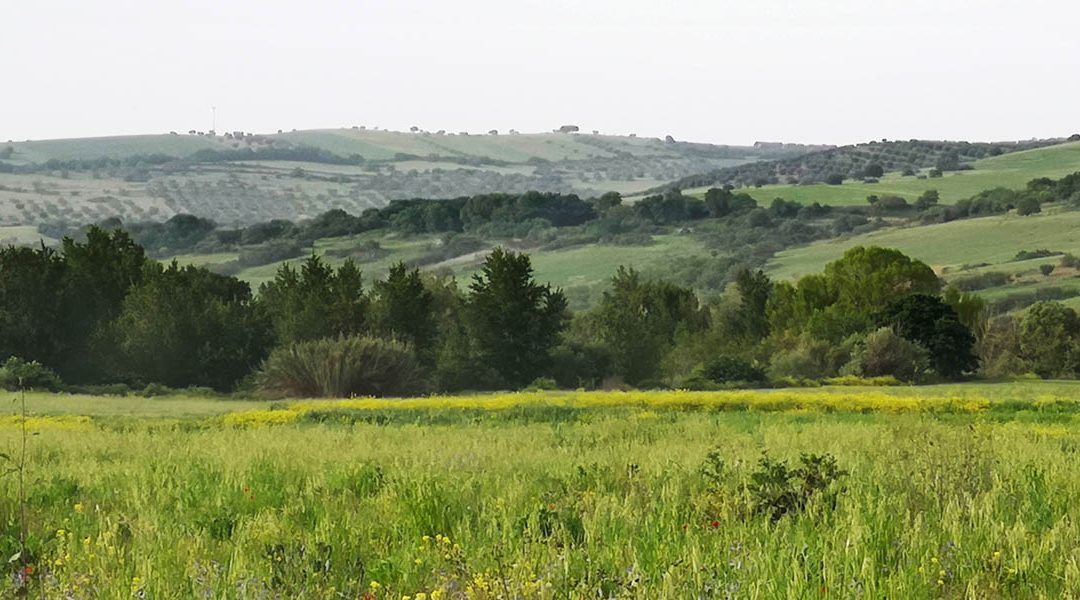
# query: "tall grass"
[342,367]
[618,502]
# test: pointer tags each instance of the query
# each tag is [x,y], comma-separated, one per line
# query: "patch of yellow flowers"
[785,400]
[42,423]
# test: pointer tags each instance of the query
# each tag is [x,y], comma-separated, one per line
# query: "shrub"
[730,369]
[542,384]
[807,359]
[18,374]
[1028,206]
[1046,270]
[883,352]
[777,490]
[982,281]
[1031,254]
[834,179]
[342,367]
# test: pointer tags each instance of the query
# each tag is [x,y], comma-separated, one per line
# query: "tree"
[834,179]
[1028,205]
[867,278]
[514,321]
[883,352]
[32,307]
[185,326]
[1048,339]
[874,170]
[934,325]
[637,320]
[927,199]
[403,309]
[754,289]
[315,302]
[99,274]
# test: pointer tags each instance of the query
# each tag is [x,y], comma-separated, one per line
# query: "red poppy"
[715,524]
[28,570]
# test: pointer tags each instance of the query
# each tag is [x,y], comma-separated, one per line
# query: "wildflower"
[715,524]
[78,507]
[418,561]
[997,555]
[28,570]
[374,585]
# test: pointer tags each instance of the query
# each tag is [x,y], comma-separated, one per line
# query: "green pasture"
[159,498]
[1011,170]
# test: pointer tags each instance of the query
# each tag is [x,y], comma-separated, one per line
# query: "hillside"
[1012,170]
[240,178]
[982,255]
[860,161]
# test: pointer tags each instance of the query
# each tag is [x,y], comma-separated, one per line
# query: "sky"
[721,71]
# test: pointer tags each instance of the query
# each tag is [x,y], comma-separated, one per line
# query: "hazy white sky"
[726,71]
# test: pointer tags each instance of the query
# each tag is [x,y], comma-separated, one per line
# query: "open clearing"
[951,491]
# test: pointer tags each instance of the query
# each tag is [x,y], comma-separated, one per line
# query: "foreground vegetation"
[943,492]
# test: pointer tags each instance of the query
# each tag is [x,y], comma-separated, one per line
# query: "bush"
[18,374]
[807,359]
[883,352]
[342,367]
[982,281]
[777,490]
[834,179]
[1046,270]
[1028,206]
[731,369]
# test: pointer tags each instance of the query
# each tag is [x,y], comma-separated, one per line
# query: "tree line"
[99,312]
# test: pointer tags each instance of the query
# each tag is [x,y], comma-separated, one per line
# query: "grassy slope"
[580,266]
[994,240]
[112,147]
[1012,170]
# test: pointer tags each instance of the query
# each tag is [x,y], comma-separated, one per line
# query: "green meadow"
[1011,170]
[161,498]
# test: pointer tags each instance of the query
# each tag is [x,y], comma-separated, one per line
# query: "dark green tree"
[1048,339]
[934,325]
[402,309]
[99,274]
[185,326]
[637,321]
[754,289]
[32,311]
[513,321]
[315,302]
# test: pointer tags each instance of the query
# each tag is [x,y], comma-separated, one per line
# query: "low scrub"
[18,374]
[340,368]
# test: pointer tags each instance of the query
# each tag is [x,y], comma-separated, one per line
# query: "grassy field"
[962,491]
[1012,170]
[582,268]
[948,246]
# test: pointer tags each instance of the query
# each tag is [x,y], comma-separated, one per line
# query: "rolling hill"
[240,178]
[1012,170]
